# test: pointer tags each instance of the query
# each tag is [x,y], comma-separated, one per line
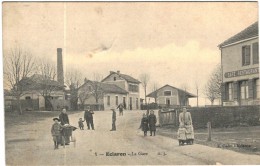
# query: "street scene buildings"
[131,83]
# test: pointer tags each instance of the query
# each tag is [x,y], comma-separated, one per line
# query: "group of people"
[148,122]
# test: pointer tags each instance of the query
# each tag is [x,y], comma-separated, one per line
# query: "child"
[81,125]
[56,132]
[144,124]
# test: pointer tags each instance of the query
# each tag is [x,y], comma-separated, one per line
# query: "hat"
[56,119]
[112,109]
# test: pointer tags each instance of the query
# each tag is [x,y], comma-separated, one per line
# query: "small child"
[81,125]
[56,132]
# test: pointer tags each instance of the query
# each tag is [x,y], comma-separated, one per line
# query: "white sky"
[176,43]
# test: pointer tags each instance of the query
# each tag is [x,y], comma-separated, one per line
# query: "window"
[257,83]
[255,53]
[108,100]
[136,103]
[116,100]
[167,93]
[114,78]
[230,91]
[168,101]
[133,88]
[27,98]
[244,90]
[245,55]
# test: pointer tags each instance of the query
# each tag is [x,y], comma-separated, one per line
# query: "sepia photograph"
[131,83]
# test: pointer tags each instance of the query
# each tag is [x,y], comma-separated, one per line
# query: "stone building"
[240,68]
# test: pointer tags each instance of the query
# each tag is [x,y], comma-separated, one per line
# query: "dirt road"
[31,144]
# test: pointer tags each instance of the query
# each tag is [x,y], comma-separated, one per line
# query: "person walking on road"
[113,120]
[152,123]
[88,116]
[120,107]
[144,124]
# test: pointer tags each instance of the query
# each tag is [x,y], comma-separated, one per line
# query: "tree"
[154,90]
[213,86]
[145,78]
[83,94]
[74,79]
[46,80]
[18,64]
[97,91]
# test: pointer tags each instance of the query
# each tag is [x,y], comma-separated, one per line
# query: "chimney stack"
[60,74]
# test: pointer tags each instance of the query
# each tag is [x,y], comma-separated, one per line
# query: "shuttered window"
[255,53]
[108,100]
[230,91]
[257,87]
[244,90]
[245,55]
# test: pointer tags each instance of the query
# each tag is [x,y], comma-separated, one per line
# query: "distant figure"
[144,124]
[120,107]
[81,125]
[113,120]
[88,116]
[64,120]
[152,123]
[185,117]
[56,132]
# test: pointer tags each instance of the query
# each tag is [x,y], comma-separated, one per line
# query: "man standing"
[152,123]
[88,116]
[113,120]
[120,107]
[185,117]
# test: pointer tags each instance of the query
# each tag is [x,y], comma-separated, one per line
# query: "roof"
[124,76]
[112,88]
[153,94]
[39,81]
[249,32]
[108,88]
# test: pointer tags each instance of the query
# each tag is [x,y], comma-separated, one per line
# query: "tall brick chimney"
[60,74]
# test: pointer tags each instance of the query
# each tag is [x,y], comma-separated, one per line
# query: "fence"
[27,104]
[218,116]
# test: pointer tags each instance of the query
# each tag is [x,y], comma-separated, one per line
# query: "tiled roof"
[124,76]
[249,32]
[111,88]
[153,94]
[37,81]
[107,88]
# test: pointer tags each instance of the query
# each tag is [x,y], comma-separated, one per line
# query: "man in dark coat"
[152,123]
[64,119]
[88,116]
[113,120]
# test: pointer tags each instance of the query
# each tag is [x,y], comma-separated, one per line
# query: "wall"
[161,99]
[113,100]
[232,60]
[119,81]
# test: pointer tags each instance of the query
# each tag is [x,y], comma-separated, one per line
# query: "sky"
[176,43]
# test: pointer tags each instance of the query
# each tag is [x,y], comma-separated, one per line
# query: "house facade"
[100,96]
[171,97]
[240,68]
[131,85]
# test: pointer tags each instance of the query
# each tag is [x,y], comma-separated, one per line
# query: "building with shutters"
[129,84]
[240,68]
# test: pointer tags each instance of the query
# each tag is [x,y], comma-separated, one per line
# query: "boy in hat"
[56,132]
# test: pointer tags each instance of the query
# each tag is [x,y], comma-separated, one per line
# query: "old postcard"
[131,83]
